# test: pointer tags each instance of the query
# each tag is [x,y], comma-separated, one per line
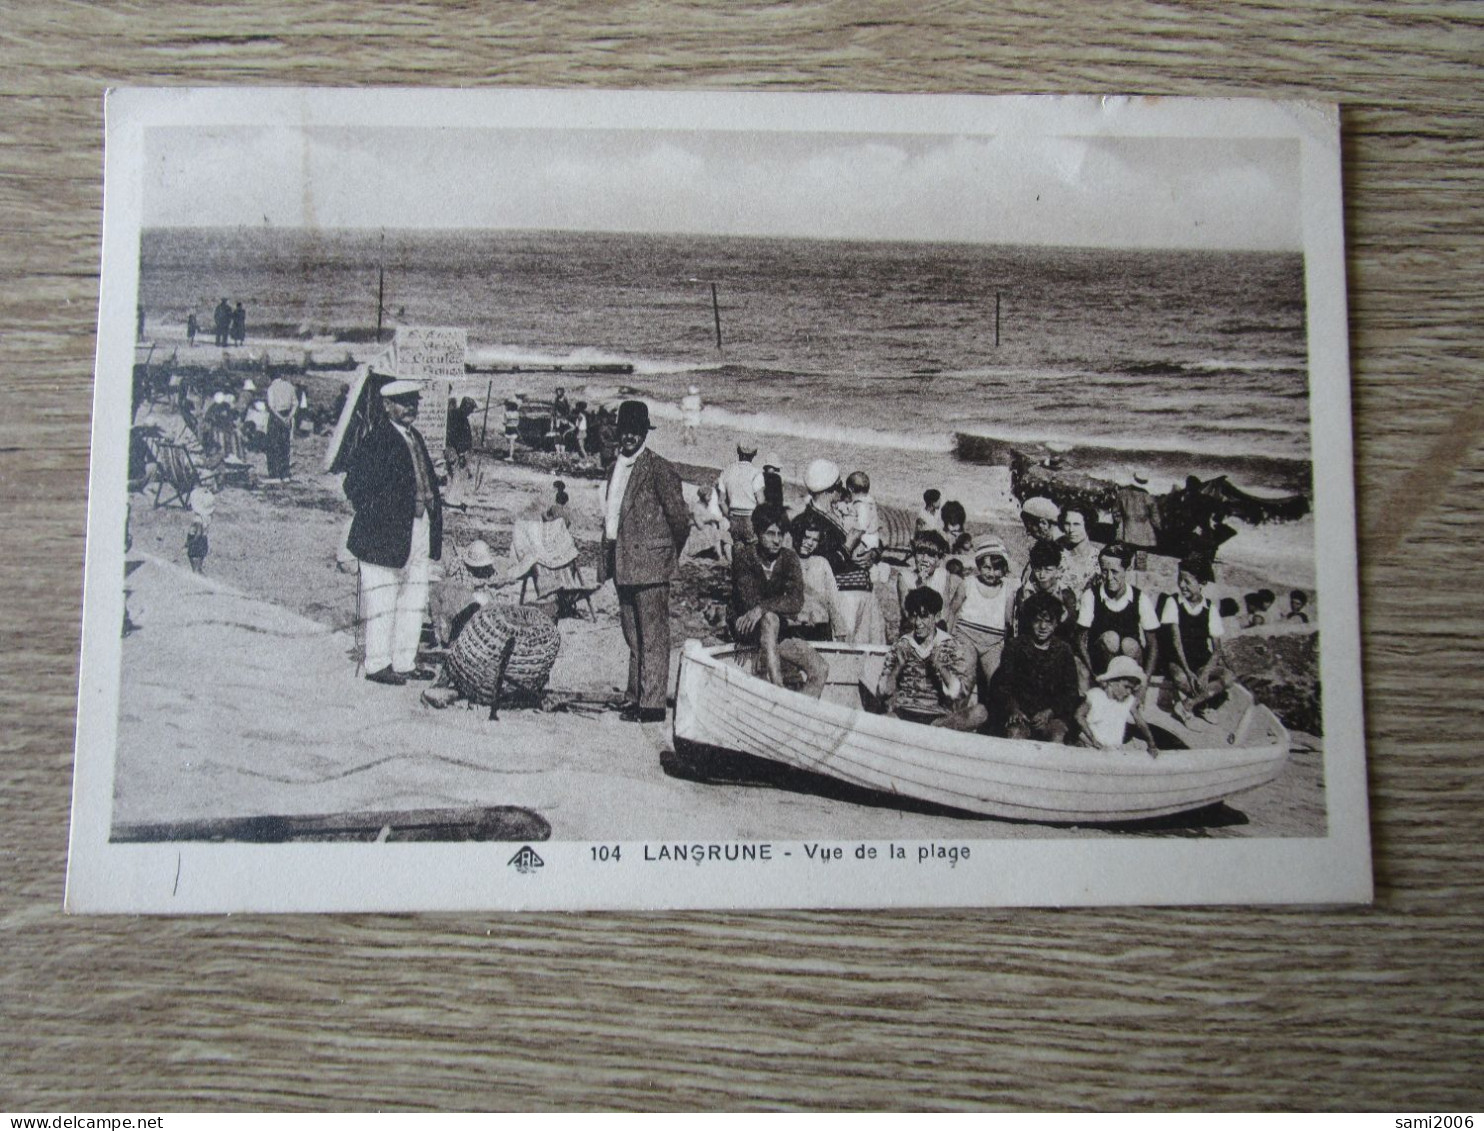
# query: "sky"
[1202,193]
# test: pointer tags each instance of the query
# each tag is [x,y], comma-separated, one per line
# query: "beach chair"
[177,473]
[545,553]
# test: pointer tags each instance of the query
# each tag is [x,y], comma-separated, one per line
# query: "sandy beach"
[241,695]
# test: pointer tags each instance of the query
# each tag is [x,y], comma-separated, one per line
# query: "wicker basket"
[474,659]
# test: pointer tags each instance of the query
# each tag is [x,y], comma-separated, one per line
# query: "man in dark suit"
[397,533]
[645,524]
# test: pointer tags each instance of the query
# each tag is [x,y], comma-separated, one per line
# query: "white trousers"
[394,603]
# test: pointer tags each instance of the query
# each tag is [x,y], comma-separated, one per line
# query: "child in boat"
[983,621]
[928,571]
[927,677]
[1046,576]
[1115,617]
[1109,708]
[1035,693]
[767,591]
[1194,663]
[865,517]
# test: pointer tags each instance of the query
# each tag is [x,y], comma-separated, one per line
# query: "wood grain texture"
[1378,1008]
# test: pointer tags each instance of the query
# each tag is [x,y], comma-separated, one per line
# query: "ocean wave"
[583,355]
[832,431]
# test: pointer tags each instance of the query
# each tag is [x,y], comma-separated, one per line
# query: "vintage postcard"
[517,499]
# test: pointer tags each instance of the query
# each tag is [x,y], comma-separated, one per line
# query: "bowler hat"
[633,416]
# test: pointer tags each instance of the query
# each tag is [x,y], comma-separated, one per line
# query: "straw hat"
[1123,667]
[821,475]
[477,554]
[747,447]
[248,386]
[1041,507]
[772,460]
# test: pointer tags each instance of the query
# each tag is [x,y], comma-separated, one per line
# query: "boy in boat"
[768,589]
[1047,576]
[928,678]
[1108,709]
[1195,664]
[928,571]
[1035,693]
[1115,617]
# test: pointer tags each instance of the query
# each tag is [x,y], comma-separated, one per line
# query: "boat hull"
[720,704]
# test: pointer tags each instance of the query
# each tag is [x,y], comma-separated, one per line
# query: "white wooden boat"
[720,703]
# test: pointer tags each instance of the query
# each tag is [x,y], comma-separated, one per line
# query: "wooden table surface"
[1373,1008]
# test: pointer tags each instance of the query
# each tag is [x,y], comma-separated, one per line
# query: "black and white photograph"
[590,500]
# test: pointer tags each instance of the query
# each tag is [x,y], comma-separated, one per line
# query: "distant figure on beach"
[690,415]
[772,479]
[739,489]
[580,426]
[222,320]
[928,518]
[1258,604]
[459,433]
[283,404]
[1138,518]
[239,325]
[1115,617]
[645,525]
[561,408]
[397,534]
[512,427]
[927,677]
[1298,601]
[192,328]
[706,530]
[767,592]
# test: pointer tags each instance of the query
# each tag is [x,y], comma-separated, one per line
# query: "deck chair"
[545,553]
[177,473]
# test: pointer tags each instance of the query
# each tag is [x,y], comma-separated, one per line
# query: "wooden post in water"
[380,291]
[485,423]
[997,318]
[716,313]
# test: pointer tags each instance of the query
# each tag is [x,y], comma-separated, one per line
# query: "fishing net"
[520,637]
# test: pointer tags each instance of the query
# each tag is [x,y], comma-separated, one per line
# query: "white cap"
[248,386]
[400,388]
[1122,667]
[821,475]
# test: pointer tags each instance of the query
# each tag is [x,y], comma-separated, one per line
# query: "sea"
[929,354]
